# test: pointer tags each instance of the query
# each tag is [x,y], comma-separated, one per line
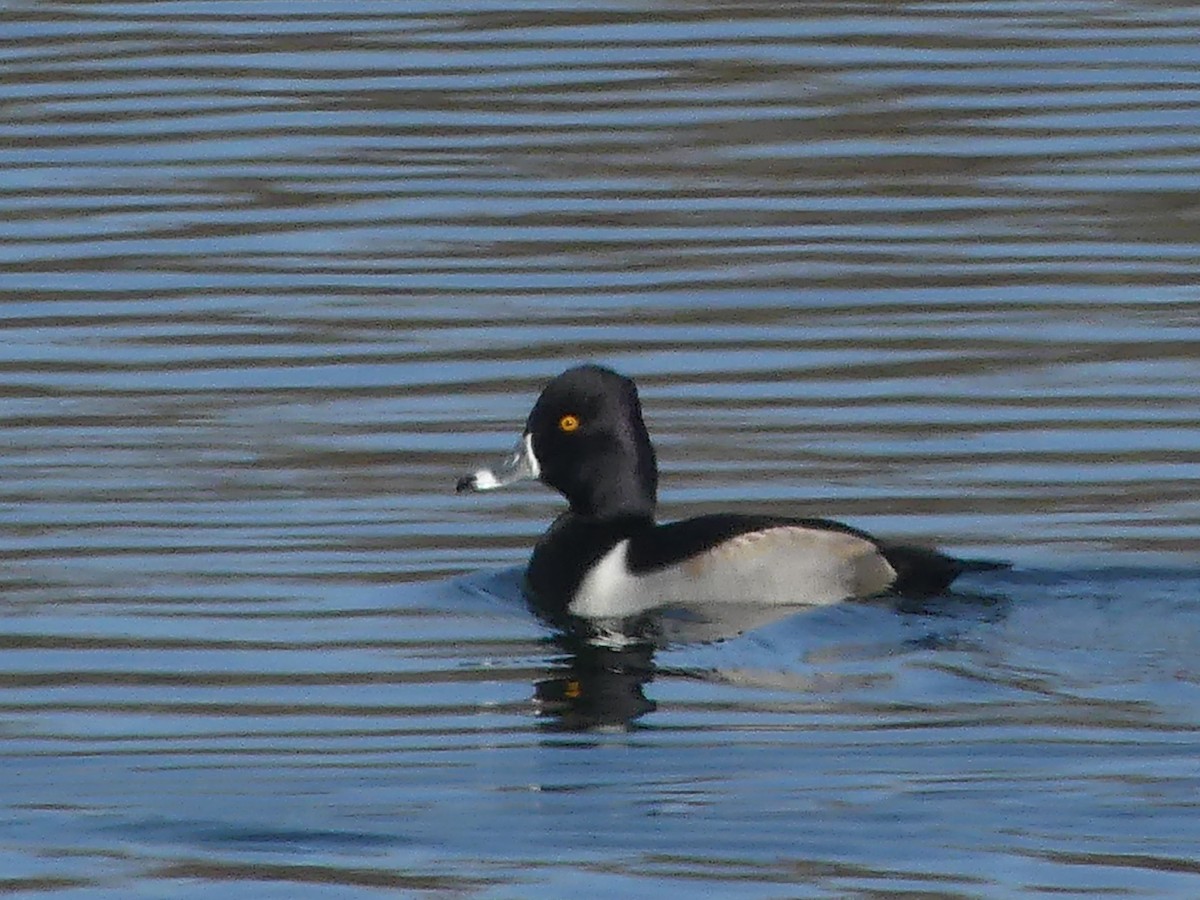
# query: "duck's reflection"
[599,687]
[607,663]
[599,684]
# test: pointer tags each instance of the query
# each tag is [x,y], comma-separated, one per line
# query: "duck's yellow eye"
[568,423]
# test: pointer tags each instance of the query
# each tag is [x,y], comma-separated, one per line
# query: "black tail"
[924,573]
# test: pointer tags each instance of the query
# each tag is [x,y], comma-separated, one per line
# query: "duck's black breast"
[569,549]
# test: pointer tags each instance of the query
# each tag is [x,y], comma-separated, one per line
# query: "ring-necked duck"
[606,558]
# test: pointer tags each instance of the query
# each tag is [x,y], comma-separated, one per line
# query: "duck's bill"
[520,466]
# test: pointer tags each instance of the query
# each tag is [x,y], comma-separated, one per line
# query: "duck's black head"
[586,439]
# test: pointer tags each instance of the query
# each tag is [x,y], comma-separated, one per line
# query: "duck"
[606,557]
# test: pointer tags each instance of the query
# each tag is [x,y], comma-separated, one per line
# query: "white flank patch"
[786,566]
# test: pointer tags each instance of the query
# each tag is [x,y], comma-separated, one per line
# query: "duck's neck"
[613,505]
[626,487]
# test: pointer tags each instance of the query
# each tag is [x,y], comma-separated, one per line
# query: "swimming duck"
[607,558]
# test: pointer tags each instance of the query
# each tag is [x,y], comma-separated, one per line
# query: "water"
[273,275]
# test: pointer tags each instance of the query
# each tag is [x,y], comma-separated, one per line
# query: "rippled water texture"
[272,275]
